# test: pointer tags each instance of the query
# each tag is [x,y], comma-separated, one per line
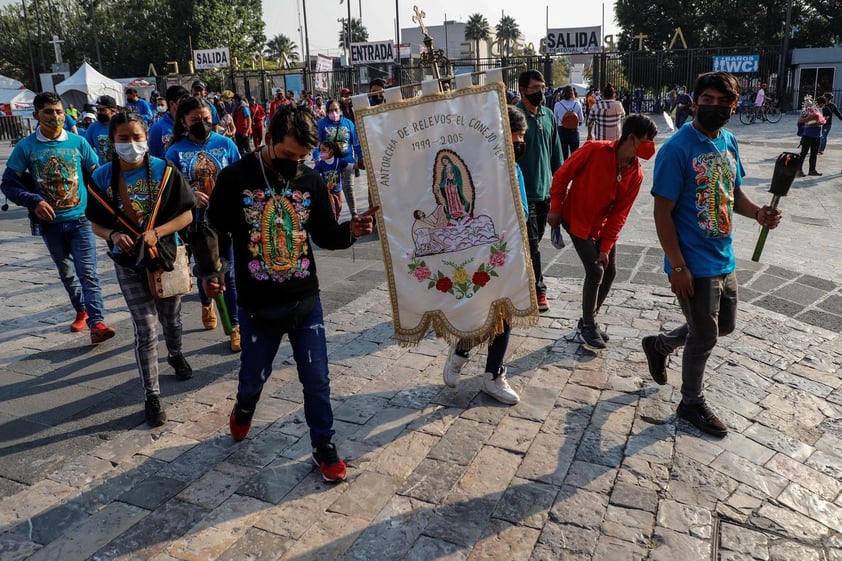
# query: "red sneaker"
[240,422]
[101,332]
[331,465]
[543,305]
[80,323]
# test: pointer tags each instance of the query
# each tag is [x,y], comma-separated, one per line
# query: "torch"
[205,246]
[786,167]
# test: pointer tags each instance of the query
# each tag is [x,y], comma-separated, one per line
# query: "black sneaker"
[657,361]
[592,337]
[330,464]
[814,172]
[601,330]
[700,416]
[154,411]
[179,363]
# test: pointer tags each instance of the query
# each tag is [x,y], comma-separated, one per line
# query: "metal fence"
[655,72]
[14,127]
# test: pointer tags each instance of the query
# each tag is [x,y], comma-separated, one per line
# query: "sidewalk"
[592,464]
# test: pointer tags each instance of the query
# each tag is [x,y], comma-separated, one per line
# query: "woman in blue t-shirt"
[122,201]
[200,154]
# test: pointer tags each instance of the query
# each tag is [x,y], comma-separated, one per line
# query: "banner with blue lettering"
[451,221]
[737,64]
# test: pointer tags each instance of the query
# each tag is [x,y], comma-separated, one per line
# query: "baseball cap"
[198,84]
[87,115]
[106,101]
[344,91]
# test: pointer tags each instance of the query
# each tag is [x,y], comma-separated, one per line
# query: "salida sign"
[573,40]
[206,59]
[373,53]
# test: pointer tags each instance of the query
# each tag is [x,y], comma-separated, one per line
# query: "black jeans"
[598,279]
[536,224]
[710,313]
[811,144]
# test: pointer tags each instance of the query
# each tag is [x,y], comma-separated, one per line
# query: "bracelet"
[679,269]
[157,237]
[111,235]
[757,215]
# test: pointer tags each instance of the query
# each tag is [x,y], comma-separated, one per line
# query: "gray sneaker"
[499,387]
[453,367]
[592,337]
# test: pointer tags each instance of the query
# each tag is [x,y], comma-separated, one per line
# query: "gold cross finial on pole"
[418,18]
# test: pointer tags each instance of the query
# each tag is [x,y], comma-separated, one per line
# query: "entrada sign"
[206,59]
[373,53]
[574,40]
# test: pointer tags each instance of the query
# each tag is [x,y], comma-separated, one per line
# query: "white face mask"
[162,108]
[131,152]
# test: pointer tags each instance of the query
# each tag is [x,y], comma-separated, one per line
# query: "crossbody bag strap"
[118,214]
[153,251]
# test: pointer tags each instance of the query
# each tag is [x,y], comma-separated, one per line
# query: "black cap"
[198,84]
[106,101]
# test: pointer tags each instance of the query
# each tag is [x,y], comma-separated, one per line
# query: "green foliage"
[508,32]
[282,49]
[131,35]
[476,30]
[359,33]
[727,23]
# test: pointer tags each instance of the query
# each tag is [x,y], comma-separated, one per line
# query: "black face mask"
[712,117]
[376,98]
[200,130]
[286,167]
[535,99]
[520,149]
[103,118]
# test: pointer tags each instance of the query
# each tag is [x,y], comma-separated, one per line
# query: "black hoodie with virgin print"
[271,222]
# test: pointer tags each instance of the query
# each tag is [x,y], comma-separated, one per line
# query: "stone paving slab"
[592,464]
[594,467]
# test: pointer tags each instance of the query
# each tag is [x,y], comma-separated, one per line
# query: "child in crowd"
[331,167]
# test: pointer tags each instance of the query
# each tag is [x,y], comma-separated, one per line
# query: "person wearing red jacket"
[591,196]
[258,116]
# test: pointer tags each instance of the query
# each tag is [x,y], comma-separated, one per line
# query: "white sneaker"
[453,367]
[499,387]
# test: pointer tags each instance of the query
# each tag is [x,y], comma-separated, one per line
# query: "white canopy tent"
[7,83]
[86,85]
[143,86]
[17,99]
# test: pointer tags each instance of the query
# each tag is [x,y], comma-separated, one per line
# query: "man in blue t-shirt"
[97,132]
[139,105]
[45,173]
[161,131]
[697,190]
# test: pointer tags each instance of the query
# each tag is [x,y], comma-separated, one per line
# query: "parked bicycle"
[768,112]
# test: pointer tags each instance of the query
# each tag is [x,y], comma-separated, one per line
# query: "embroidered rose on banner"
[459,282]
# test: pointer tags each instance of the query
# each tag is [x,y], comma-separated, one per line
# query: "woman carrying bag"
[137,204]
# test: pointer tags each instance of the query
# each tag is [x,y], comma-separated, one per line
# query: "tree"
[282,49]
[131,35]
[359,34]
[507,33]
[476,30]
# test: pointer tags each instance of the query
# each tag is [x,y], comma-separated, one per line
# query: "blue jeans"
[825,132]
[710,313]
[309,349]
[72,246]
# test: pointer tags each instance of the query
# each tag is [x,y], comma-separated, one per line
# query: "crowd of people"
[144,173]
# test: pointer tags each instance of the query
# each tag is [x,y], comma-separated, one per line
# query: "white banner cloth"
[451,220]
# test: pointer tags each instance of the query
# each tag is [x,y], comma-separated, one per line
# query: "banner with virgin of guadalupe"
[451,221]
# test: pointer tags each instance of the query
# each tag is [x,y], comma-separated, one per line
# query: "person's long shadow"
[273,468]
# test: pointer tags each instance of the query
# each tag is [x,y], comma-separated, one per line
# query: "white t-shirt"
[760,97]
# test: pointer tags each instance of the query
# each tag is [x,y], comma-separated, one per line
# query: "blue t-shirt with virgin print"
[201,163]
[142,185]
[56,166]
[702,176]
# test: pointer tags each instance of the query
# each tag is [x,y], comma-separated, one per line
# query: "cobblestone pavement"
[592,464]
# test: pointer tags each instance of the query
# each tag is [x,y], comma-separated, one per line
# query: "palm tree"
[282,49]
[507,32]
[359,34]
[476,30]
